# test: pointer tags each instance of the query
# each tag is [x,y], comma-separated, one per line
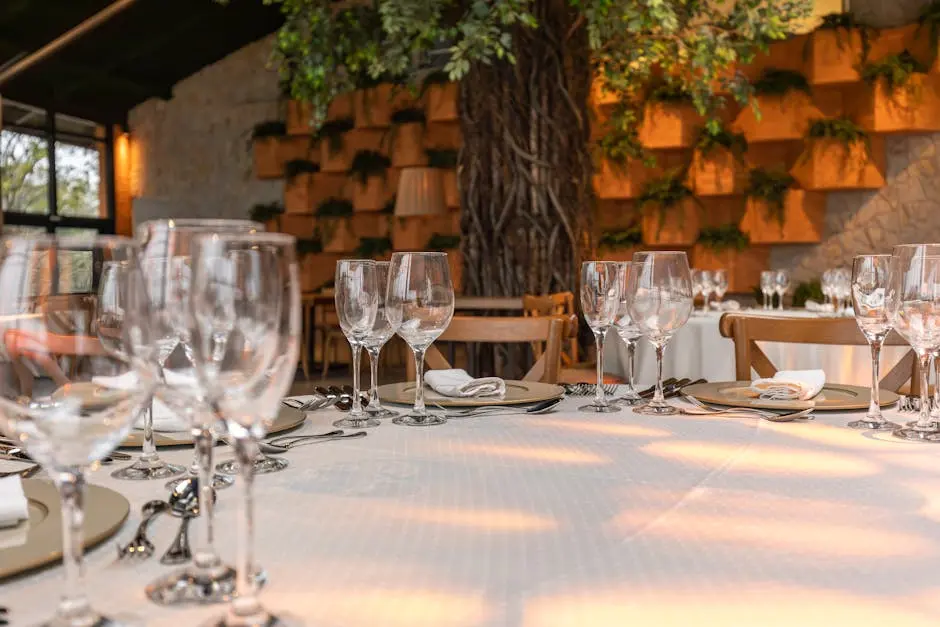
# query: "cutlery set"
[333,396]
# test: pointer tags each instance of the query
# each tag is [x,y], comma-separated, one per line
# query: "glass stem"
[936,385]
[874,409]
[374,403]
[631,368]
[74,606]
[356,348]
[923,422]
[419,408]
[204,555]
[149,452]
[659,400]
[600,399]
[246,604]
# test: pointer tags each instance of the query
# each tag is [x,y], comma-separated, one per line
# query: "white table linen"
[565,520]
[13,505]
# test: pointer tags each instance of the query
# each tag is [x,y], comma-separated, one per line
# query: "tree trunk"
[525,168]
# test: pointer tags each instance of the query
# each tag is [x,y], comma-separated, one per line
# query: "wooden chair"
[558,304]
[747,330]
[505,330]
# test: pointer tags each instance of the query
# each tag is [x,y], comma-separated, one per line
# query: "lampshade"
[420,192]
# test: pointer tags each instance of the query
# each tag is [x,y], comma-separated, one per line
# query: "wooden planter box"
[317,269]
[913,108]
[718,173]
[829,165]
[617,254]
[834,56]
[614,215]
[375,193]
[614,180]
[600,96]
[341,108]
[413,232]
[744,267]
[300,226]
[451,189]
[298,118]
[783,118]
[804,216]
[297,194]
[668,126]
[889,41]
[443,136]
[266,155]
[338,235]
[373,107]
[326,185]
[455,261]
[678,227]
[407,145]
[782,55]
[370,225]
[353,142]
[441,105]
[292,148]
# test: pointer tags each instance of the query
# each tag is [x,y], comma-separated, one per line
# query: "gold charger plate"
[834,397]
[517,393]
[287,418]
[39,540]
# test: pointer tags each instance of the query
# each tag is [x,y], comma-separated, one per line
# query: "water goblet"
[382,331]
[708,286]
[600,299]
[870,279]
[357,301]
[696,275]
[629,334]
[420,305]
[660,304]
[768,280]
[781,285]
[721,285]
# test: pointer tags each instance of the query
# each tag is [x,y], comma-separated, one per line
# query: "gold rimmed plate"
[834,397]
[517,393]
[38,541]
[287,419]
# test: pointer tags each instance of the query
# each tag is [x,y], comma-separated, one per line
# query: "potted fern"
[619,244]
[670,211]
[377,248]
[376,99]
[839,154]
[440,97]
[266,140]
[268,214]
[334,221]
[335,152]
[718,167]
[298,182]
[669,118]
[446,162]
[371,180]
[837,48]
[898,96]
[785,107]
[776,212]
[727,247]
[406,138]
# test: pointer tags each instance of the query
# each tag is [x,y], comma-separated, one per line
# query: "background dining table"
[568,519]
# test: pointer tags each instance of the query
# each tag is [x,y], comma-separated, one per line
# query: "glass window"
[78,170]
[24,173]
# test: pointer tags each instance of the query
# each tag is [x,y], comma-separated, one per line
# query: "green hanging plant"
[368,163]
[333,133]
[842,130]
[930,19]
[442,159]
[808,290]
[389,208]
[409,116]
[668,92]
[373,247]
[776,82]
[843,24]
[622,141]
[711,138]
[772,188]
[721,238]
[262,212]
[296,167]
[895,70]
[335,208]
[271,128]
[665,192]
[309,246]
[443,242]
[619,240]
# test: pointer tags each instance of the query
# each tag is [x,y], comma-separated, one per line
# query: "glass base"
[219,482]
[932,426]
[629,401]
[193,585]
[874,425]
[913,435]
[262,466]
[87,617]
[381,413]
[143,471]
[600,409]
[356,423]
[656,410]
[420,420]
[262,619]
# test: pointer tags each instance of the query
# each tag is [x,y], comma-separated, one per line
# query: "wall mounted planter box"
[353,141]
[293,148]
[414,232]
[617,254]
[441,105]
[407,145]
[782,55]
[451,188]
[341,108]
[375,193]
[889,41]
[326,185]
[297,194]
[317,269]
[338,235]
[679,226]
[300,226]
[829,165]
[615,215]
[600,96]
[783,118]
[614,180]
[455,263]
[443,136]
[834,56]
[774,155]
[743,266]
[667,125]
[373,107]
[804,215]
[369,224]
[719,173]
[912,108]
[298,118]
[266,156]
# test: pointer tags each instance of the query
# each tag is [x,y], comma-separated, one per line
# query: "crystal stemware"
[57,397]
[767,283]
[708,286]
[660,304]
[382,331]
[420,305]
[357,301]
[600,299]
[696,276]
[721,285]
[781,286]
[246,338]
[629,334]
[870,278]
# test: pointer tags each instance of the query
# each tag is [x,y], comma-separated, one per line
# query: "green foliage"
[443,242]
[772,188]
[333,132]
[666,191]
[842,24]
[811,290]
[335,208]
[930,19]
[710,138]
[373,247]
[618,240]
[896,70]
[720,238]
[263,212]
[442,159]
[409,116]
[272,128]
[368,163]
[843,130]
[310,246]
[296,167]
[776,82]
[668,92]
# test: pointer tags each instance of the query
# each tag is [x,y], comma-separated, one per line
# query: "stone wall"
[192,152]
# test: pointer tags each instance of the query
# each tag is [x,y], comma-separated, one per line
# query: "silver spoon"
[184,504]
[275,449]
[542,407]
[140,545]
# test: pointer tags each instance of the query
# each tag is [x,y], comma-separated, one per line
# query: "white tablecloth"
[569,520]
[698,351]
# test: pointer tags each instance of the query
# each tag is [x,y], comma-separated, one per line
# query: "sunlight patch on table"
[498,520]
[625,430]
[533,453]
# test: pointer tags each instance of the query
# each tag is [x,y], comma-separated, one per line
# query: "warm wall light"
[420,193]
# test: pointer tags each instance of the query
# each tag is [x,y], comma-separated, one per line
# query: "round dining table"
[566,519]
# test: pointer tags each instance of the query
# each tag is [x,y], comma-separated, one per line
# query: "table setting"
[523,505]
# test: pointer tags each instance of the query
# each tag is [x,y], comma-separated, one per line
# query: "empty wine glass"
[50,397]
[660,304]
[382,331]
[708,286]
[696,276]
[357,300]
[768,280]
[843,289]
[721,285]
[419,304]
[781,285]
[827,287]
[914,306]
[629,334]
[870,279]
[246,338]
[600,299]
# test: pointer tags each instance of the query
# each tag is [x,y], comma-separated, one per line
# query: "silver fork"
[771,416]
[587,389]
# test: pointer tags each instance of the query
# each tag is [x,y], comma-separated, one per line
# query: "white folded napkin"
[812,305]
[791,385]
[13,505]
[729,305]
[458,383]
[164,418]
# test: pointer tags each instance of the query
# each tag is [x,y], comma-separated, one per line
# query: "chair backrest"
[505,330]
[746,330]
[558,304]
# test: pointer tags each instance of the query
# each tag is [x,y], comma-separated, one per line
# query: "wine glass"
[660,304]
[708,286]
[246,338]
[419,304]
[51,400]
[768,279]
[721,285]
[843,289]
[629,334]
[382,331]
[870,278]
[696,275]
[357,301]
[914,306]
[781,285]
[600,298]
